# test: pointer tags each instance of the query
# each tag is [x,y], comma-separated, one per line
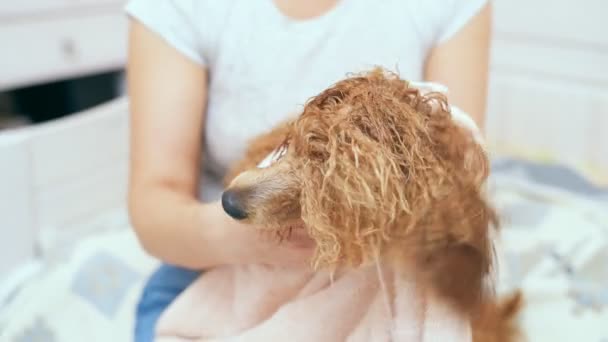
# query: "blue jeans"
[165,284]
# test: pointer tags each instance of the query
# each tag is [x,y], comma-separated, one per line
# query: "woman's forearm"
[178,229]
[168,93]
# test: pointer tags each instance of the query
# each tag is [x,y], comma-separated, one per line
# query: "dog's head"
[372,166]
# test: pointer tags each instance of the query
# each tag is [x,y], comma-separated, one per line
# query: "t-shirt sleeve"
[174,21]
[456,14]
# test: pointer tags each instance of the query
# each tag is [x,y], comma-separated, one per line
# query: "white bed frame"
[56,175]
[549,82]
[549,87]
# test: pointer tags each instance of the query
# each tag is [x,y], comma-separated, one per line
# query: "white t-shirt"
[264,66]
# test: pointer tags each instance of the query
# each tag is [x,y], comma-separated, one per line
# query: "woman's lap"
[165,284]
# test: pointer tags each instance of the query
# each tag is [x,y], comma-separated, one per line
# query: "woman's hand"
[246,244]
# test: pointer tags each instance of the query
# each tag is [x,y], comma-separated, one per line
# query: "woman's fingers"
[289,246]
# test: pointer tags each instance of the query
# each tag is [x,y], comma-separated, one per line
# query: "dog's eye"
[273,157]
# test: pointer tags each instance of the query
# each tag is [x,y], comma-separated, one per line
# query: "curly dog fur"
[377,170]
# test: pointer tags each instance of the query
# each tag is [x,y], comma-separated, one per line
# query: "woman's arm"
[167,97]
[461,63]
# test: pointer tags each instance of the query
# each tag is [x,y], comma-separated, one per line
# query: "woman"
[206,76]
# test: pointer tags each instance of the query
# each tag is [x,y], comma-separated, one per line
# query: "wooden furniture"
[45,40]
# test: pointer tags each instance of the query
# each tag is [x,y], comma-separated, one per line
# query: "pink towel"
[261,303]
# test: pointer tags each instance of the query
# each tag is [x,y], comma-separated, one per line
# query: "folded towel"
[263,303]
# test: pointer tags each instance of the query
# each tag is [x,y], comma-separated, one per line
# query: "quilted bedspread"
[554,246]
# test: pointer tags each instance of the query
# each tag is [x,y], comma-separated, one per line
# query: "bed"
[77,270]
[71,269]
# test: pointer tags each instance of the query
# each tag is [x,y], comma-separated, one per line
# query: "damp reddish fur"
[378,170]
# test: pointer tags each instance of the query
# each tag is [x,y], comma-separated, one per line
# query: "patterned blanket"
[554,246]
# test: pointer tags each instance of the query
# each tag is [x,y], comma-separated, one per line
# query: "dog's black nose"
[233,205]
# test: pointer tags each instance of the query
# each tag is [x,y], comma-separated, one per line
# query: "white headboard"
[549,82]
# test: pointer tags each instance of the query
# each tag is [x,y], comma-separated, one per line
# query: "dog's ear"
[360,144]
[341,198]
[391,173]
[455,251]
[384,166]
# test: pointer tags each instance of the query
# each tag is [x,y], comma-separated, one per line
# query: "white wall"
[549,82]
